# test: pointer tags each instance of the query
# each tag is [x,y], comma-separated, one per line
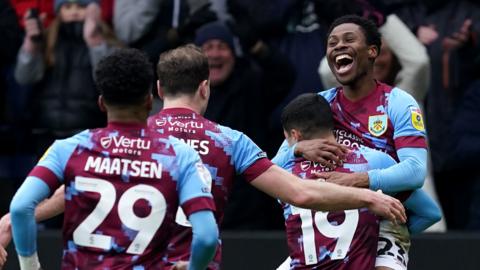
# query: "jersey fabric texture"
[339,239]
[225,153]
[123,185]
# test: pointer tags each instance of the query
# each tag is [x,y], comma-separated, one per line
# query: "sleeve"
[414,75]
[51,165]
[407,120]
[424,211]
[194,181]
[204,239]
[284,154]
[133,19]
[408,174]
[22,212]
[248,159]
[29,68]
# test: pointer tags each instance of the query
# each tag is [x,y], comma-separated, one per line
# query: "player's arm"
[324,196]
[51,207]
[424,211]
[410,141]
[194,185]
[204,238]
[22,214]
[45,177]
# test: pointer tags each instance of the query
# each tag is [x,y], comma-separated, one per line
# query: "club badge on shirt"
[377,124]
[417,119]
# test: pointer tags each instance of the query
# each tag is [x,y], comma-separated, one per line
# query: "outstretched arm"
[323,196]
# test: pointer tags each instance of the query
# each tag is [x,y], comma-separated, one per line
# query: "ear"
[295,135]
[101,104]
[373,51]
[160,92]
[204,88]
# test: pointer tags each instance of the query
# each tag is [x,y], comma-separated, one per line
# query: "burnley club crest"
[377,124]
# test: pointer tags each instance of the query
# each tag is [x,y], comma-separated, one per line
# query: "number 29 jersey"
[337,240]
[123,185]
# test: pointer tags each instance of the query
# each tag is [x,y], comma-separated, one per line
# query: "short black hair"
[181,70]
[124,77]
[368,27]
[309,113]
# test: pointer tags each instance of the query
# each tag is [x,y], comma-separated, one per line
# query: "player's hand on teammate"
[180,265]
[386,207]
[5,230]
[345,179]
[325,152]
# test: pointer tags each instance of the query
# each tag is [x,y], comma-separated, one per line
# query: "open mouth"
[343,63]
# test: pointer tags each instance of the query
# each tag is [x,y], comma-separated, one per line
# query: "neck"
[182,102]
[360,88]
[127,116]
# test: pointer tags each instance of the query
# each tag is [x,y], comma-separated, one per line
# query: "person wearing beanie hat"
[59,3]
[216,40]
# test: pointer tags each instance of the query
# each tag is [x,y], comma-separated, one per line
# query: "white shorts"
[393,246]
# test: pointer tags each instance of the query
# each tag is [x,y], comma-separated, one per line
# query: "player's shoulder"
[79,138]
[400,97]
[329,94]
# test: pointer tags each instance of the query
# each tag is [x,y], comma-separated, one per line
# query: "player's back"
[121,197]
[224,151]
[338,240]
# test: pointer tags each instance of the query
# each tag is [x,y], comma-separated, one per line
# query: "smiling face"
[349,57]
[221,60]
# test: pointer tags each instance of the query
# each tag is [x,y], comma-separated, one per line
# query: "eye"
[332,42]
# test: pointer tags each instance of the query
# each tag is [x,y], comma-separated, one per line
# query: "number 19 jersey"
[337,240]
[123,185]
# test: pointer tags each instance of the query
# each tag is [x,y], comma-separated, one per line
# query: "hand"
[345,179]
[33,30]
[386,206]
[3,257]
[324,151]
[5,230]
[458,39]
[427,34]
[91,31]
[180,265]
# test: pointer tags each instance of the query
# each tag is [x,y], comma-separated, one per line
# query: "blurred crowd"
[262,54]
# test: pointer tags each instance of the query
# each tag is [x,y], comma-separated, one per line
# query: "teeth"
[342,56]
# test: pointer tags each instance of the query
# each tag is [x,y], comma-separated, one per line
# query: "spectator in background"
[244,91]
[449,30]
[58,63]
[155,26]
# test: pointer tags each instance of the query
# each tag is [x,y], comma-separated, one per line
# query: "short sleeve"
[51,166]
[248,159]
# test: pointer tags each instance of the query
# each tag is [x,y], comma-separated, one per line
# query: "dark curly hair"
[124,77]
[369,29]
[309,113]
[181,70]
